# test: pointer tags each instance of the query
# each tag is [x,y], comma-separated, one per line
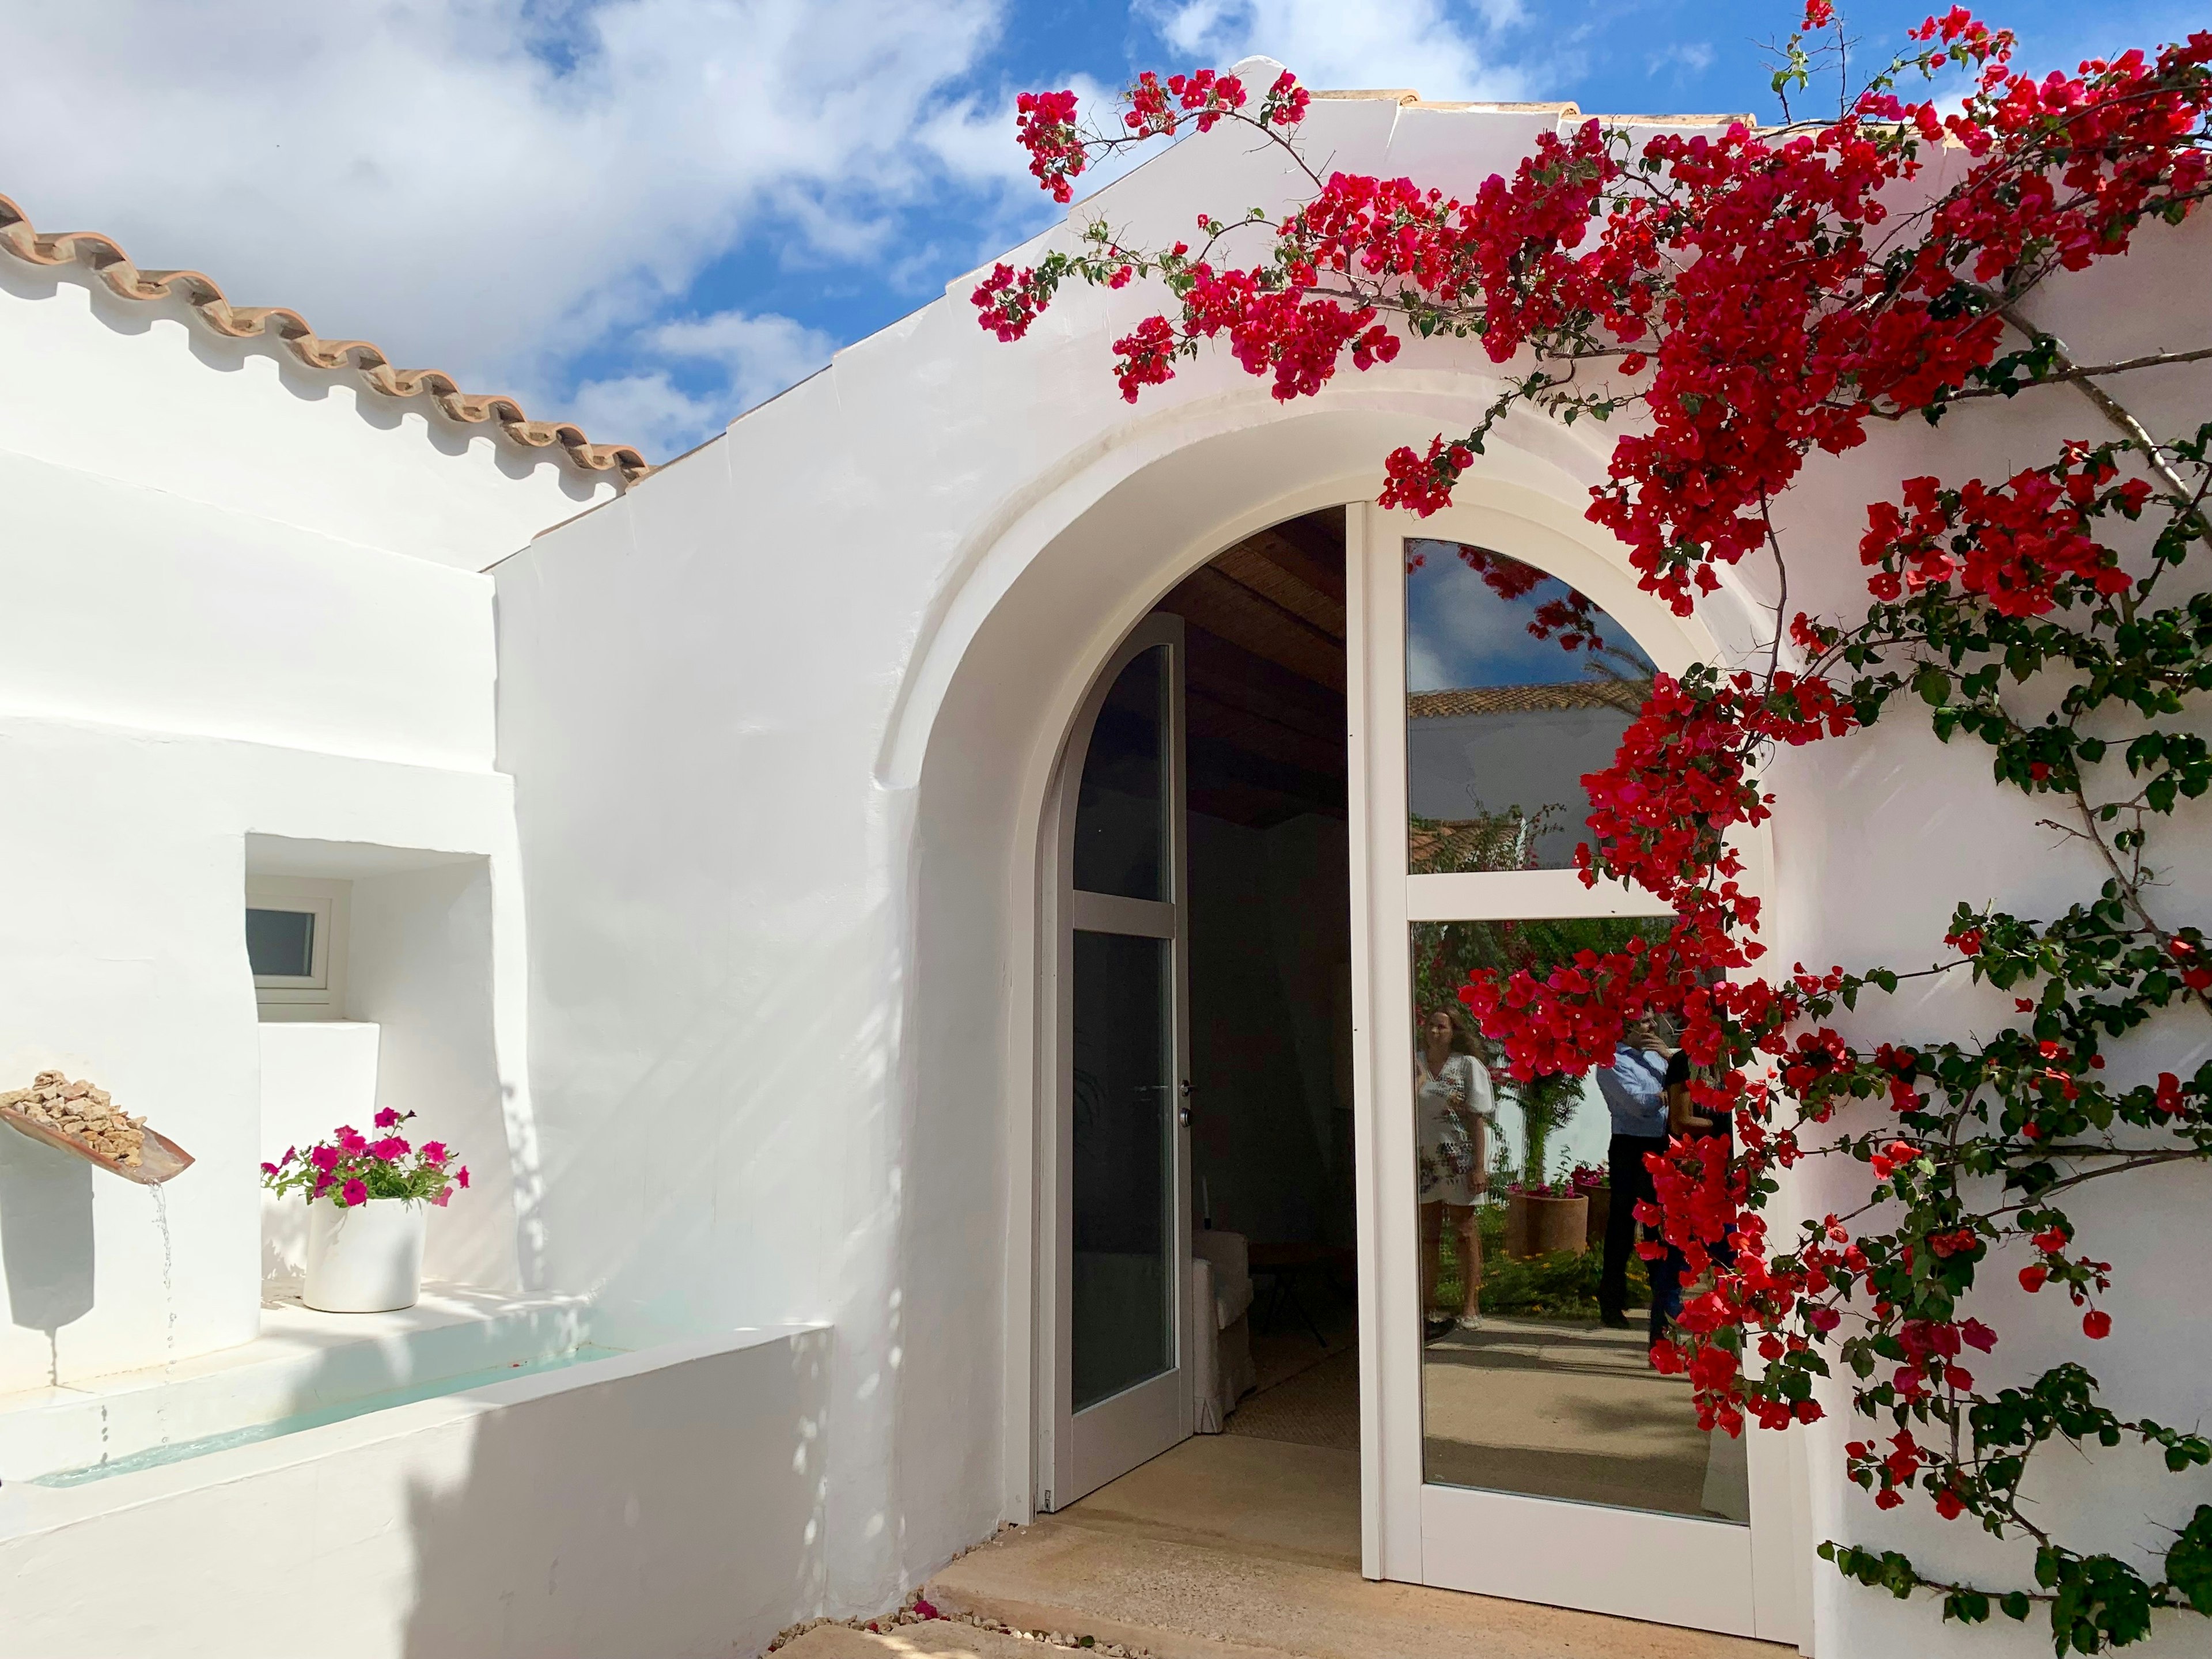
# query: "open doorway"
[1271,980]
[1204,984]
[1337,766]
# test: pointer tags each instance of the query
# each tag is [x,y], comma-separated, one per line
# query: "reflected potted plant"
[1547,1216]
[367,1203]
[1543,1216]
[1595,1183]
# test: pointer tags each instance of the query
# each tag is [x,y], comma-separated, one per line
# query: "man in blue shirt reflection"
[1633,1090]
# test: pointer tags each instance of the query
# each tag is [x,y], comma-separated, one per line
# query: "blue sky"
[1458,633]
[651,214]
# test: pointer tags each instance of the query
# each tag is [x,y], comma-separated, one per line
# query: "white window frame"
[321,993]
[1744,1580]
[1078,1452]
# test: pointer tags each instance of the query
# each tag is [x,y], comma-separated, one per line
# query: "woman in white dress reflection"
[1453,1107]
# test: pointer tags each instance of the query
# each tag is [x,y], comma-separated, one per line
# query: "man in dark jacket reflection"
[1632,1088]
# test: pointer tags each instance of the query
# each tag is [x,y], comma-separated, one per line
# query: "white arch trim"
[1528,494]
[1011,541]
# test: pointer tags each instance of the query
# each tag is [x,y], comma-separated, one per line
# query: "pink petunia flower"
[444,1193]
[351,1139]
[386,1117]
[269,1169]
[463,1176]
[324,1158]
[433,1152]
[356,1192]
[389,1147]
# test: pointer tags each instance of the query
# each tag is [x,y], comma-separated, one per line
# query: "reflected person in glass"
[1453,1107]
[1684,1121]
[1632,1088]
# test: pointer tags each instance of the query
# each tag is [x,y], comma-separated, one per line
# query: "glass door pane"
[1526,1386]
[1516,686]
[1124,1306]
[1122,841]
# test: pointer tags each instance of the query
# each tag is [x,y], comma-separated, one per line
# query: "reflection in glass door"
[1124,1151]
[1124,1274]
[1548,1389]
[1525,1446]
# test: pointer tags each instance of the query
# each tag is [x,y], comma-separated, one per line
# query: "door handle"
[1183,1111]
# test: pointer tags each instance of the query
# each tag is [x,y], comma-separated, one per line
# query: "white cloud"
[1352,44]
[650,411]
[729,361]
[486,186]
[759,355]
[1685,58]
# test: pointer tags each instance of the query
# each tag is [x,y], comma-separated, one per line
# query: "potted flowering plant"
[365,1213]
[1595,1183]
[1544,1216]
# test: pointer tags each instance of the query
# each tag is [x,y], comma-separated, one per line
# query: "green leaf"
[2189,1561]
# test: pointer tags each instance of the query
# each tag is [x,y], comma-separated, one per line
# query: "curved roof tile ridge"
[106,260]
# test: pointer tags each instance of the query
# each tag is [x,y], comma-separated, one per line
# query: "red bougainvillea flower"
[1746,300]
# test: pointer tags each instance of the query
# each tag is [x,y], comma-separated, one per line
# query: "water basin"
[151,1458]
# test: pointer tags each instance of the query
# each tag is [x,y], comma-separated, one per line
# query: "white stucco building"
[702,851]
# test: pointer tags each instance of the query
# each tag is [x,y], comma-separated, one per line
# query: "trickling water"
[168,1303]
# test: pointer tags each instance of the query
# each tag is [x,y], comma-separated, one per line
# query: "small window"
[295,943]
[281,944]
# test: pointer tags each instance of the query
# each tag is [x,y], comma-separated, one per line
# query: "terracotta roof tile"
[1626,696]
[105,260]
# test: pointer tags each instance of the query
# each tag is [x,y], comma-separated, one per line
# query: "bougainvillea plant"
[350,1169]
[1735,300]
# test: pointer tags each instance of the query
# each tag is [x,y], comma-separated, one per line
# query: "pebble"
[82,1113]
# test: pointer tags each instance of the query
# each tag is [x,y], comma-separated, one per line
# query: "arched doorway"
[1487,1531]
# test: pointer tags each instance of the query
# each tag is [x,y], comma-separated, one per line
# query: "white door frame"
[1670,1568]
[1076,1453]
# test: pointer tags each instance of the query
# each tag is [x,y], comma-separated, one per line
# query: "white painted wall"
[548,1517]
[421,967]
[144,393]
[779,722]
[122,958]
[315,1075]
[242,604]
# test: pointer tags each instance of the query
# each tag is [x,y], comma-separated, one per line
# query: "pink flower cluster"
[350,1169]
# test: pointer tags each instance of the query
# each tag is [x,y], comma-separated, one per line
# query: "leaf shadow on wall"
[45,1238]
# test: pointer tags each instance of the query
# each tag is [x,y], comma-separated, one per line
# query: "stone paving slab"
[938,1638]
[1174,1599]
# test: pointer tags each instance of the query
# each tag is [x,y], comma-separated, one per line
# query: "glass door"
[1522,1445]
[1119,1132]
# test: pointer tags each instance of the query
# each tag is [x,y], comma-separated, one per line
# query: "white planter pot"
[364,1258]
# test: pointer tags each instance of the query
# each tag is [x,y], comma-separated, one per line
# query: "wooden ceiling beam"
[1257,734]
[1256,808]
[1235,613]
[1268,565]
[1311,547]
[1229,674]
[1214,764]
